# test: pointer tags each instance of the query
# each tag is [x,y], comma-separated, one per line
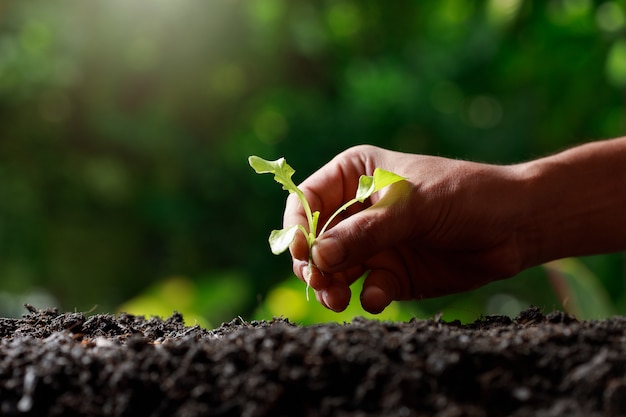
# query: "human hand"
[451,227]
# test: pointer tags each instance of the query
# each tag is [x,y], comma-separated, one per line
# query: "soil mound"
[54,364]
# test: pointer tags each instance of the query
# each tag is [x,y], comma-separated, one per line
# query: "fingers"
[380,288]
[331,290]
[366,233]
[320,281]
[389,280]
[377,292]
[322,190]
[332,185]
[311,275]
[336,297]
[294,214]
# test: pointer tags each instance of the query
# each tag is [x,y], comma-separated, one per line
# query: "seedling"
[281,239]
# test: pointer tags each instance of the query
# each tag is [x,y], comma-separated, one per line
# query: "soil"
[54,364]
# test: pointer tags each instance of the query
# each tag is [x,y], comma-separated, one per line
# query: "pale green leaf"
[280,168]
[365,188]
[368,185]
[384,178]
[281,239]
[282,174]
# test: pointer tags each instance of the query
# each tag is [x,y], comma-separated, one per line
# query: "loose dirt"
[54,364]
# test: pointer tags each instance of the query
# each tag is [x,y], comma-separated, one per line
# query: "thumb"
[362,235]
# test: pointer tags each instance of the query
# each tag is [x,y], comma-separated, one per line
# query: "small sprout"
[281,239]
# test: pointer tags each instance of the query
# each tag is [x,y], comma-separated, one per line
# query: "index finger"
[325,191]
[294,214]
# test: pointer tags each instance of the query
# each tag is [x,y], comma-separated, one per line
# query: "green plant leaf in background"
[616,64]
[285,300]
[579,289]
[206,300]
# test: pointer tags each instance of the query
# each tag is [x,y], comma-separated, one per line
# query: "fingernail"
[336,298]
[306,274]
[326,297]
[328,253]
[374,300]
[322,297]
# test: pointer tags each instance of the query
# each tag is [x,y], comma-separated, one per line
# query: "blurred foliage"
[288,300]
[218,296]
[125,126]
[579,290]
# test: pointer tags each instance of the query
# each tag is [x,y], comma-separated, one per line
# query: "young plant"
[281,239]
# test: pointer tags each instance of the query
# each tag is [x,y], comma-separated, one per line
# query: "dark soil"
[55,364]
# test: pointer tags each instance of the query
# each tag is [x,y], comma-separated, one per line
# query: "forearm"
[575,204]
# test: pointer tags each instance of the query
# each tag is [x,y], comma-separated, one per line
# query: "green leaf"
[281,239]
[280,168]
[368,185]
[282,174]
[365,188]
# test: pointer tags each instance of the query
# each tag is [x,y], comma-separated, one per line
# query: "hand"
[451,227]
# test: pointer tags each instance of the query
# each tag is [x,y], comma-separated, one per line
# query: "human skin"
[455,225]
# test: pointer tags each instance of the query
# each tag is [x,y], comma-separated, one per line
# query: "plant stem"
[336,213]
[307,210]
[308,278]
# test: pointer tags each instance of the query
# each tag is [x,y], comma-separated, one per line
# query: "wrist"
[535,233]
[573,202]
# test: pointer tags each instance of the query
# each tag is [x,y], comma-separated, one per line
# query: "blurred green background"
[125,126]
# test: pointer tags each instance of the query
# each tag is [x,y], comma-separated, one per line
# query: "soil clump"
[54,364]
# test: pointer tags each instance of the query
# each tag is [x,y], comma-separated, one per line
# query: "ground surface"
[535,365]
